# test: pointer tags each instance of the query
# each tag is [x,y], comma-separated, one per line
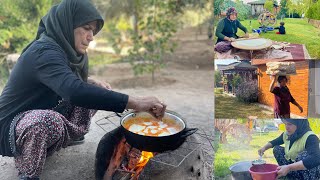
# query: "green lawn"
[227,107]
[298,31]
[233,152]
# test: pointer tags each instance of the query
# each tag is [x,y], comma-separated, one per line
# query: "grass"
[233,152]
[227,107]
[299,31]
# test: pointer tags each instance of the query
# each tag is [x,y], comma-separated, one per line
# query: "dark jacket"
[39,79]
[282,29]
[228,28]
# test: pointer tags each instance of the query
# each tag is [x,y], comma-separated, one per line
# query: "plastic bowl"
[264,172]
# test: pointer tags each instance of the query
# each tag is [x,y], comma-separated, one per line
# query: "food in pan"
[151,127]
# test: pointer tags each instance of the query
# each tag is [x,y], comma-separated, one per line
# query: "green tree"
[313,11]
[243,10]
[222,5]
[268,5]
[299,6]
[284,8]
[19,22]
[217,7]
[217,78]
[236,80]
[154,23]
[152,42]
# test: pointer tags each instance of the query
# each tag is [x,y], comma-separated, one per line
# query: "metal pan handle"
[118,114]
[188,131]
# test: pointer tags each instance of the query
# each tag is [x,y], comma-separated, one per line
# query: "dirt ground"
[185,85]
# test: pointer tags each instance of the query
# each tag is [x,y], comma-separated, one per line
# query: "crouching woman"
[300,156]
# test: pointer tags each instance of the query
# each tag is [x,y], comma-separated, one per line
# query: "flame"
[145,156]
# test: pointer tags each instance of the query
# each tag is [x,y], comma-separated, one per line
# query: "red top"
[282,99]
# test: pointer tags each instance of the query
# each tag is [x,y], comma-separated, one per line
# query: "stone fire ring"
[252,44]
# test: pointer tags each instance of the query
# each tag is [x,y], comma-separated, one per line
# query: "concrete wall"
[315,23]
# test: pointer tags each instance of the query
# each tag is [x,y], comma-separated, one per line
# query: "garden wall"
[298,85]
[315,23]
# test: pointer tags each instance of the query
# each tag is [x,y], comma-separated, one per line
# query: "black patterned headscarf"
[59,24]
[230,11]
[303,126]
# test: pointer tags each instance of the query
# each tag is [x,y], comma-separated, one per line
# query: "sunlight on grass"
[298,31]
[227,107]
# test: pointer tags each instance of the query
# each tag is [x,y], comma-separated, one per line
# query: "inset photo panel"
[261,89]
[252,30]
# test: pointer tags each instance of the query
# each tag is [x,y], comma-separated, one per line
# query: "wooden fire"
[126,159]
[115,159]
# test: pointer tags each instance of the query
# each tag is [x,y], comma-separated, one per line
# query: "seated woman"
[282,97]
[300,156]
[227,28]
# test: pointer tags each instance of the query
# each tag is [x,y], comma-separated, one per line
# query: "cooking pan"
[156,143]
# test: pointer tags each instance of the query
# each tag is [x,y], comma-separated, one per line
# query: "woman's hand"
[99,83]
[246,35]
[261,151]
[275,76]
[229,39]
[283,170]
[301,109]
[264,148]
[149,104]
[232,39]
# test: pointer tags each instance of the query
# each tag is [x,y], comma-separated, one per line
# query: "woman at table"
[228,27]
[300,156]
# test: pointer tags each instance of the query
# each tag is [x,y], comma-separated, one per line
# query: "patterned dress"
[309,174]
[39,133]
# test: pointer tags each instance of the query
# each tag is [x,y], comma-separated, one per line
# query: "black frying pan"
[159,143]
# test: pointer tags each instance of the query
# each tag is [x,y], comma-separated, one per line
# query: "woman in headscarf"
[300,156]
[227,29]
[282,97]
[49,99]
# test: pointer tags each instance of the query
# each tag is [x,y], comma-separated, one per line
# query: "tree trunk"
[135,23]
[136,17]
[223,137]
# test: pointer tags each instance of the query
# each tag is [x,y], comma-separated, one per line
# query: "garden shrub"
[217,78]
[244,10]
[313,11]
[248,91]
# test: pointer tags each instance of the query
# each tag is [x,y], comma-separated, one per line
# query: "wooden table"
[252,44]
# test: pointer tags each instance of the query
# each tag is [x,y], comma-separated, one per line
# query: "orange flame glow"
[145,156]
